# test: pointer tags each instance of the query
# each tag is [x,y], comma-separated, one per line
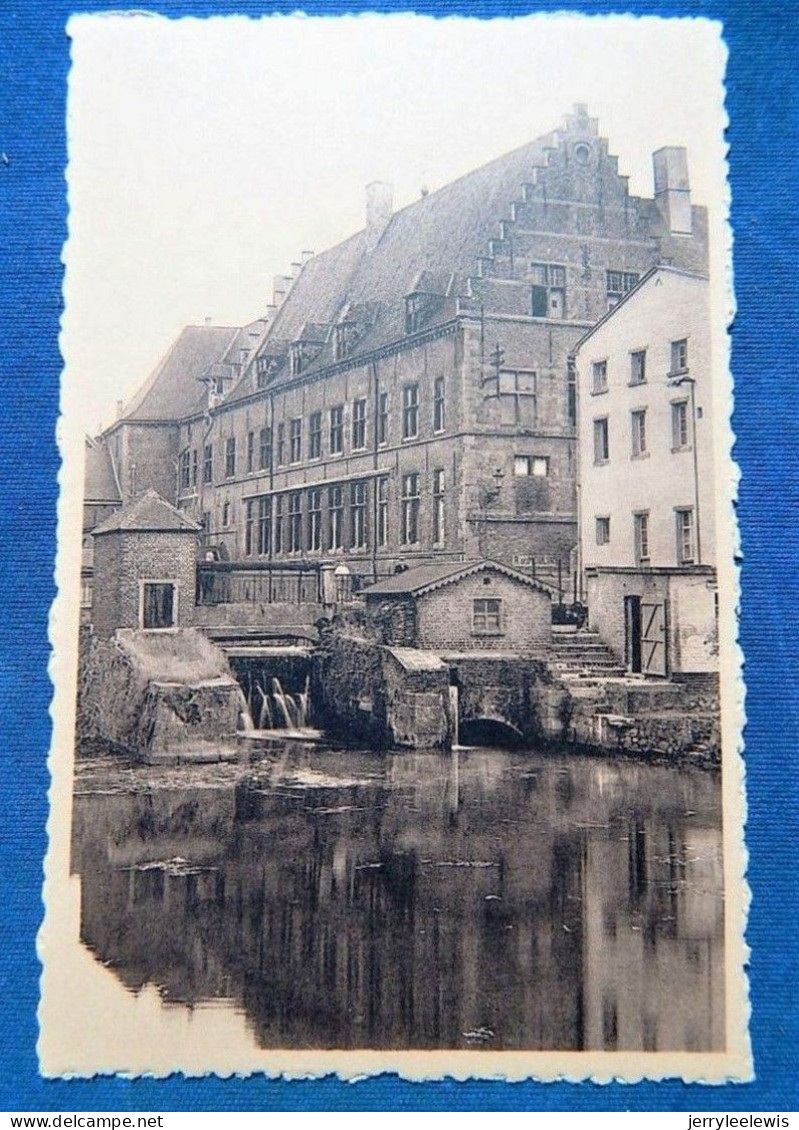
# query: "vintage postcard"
[398,702]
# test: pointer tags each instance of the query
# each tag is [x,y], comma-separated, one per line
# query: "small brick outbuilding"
[466,606]
[145,560]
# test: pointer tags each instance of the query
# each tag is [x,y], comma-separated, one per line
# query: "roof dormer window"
[344,338]
[414,311]
[295,358]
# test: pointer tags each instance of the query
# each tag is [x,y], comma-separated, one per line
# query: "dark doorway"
[632,626]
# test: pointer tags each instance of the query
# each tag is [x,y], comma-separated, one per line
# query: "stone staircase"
[582,656]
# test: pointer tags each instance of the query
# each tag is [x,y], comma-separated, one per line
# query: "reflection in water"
[485,899]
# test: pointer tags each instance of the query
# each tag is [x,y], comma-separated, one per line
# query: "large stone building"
[647,495]
[409,396]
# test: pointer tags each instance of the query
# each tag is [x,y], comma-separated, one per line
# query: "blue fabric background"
[762,38]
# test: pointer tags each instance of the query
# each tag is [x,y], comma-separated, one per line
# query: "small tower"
[145,559]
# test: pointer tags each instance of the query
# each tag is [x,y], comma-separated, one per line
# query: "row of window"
[338,517]
[680,434]
[288,443]
[678,356]
[684,520]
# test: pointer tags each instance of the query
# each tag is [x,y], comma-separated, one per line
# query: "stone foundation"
[156,697]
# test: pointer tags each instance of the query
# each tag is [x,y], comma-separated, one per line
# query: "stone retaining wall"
[155,697]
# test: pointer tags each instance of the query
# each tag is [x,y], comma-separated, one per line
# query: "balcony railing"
[233,582]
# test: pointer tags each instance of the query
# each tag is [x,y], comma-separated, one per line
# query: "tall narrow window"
[315,436]
[382,511]
[409,533]
[194,468]
[414,312]
[438,506]
[638,427]
[250,452]
[279,522]
[410,411]
[315,519]
[359,424]
[679,355]
[686,551]
[337,429]
[599,377]
[641,530]
[601,440]
[230,457]
[295,522]
[265,449]
[249,526]
[358,504]
[518,396]
[262,372]
[336,517]
[264,525]
[295,440]
[603,531]
[208,463]
[679,425]
[281,444]
[638,367]
[439,419]
[185,470]
[571,391]
[225,515]
[382,418]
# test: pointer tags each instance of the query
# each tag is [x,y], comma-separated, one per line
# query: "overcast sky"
[206,155]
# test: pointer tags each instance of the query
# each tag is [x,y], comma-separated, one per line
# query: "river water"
[480,899]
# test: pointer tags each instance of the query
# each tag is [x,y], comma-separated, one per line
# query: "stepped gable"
[100,478]
[424,578]
[150,513]
[173,390]
[447,230]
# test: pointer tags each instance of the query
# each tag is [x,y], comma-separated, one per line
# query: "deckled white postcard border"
[89,1024]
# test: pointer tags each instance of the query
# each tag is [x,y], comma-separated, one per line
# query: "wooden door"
[654,652]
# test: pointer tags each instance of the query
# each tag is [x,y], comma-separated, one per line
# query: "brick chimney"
[379,207]
[672,188]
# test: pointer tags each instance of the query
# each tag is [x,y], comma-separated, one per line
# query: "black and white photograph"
[399,706]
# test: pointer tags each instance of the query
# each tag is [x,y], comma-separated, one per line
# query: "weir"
[275,683]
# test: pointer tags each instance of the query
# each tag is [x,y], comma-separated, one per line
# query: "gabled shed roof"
[149,513]
[425,578]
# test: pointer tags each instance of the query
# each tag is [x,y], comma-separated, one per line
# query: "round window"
[582,153]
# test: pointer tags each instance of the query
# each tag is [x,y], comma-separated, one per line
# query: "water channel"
[480,899]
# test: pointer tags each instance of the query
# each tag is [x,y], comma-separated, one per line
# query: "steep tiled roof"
[174,389]
[100,481]
[432,245]
[446,230]
[426,577]
[321,288]
[149,513]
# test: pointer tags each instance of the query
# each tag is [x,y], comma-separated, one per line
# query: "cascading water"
[276,709]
